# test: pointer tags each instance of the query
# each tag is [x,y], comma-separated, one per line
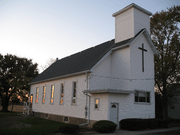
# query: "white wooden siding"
[120,69]
[99,78]
[66,109]
[124,26]
[102,113]
[141,20]
[142,80]
[129,23]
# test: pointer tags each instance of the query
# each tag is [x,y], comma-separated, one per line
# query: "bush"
[69,128]
[153,123]
[134,124]
[141,124]
[163,123]
[104,126]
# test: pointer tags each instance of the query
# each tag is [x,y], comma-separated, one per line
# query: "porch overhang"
[102,91]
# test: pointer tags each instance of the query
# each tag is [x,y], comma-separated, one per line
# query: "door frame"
[117,113]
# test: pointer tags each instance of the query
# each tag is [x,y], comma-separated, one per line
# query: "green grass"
[38,127]
[6,114]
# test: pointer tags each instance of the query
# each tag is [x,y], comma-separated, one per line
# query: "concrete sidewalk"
[125,132]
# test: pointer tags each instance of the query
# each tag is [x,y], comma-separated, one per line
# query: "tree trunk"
[165,109]
[12,107]
[5,106]
[165,103]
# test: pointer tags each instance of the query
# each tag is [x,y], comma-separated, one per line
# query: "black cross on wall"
[142,56]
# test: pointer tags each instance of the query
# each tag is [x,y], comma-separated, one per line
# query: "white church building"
[111,81]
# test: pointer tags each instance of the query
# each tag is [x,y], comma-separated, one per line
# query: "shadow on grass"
[38,126]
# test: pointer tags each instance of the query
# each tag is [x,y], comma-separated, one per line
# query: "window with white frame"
[142,97]
[37,94]
[96,105]
[44,94]
[62,94]
[74,93]
[52,94]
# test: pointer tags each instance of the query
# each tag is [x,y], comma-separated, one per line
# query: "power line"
[130,79]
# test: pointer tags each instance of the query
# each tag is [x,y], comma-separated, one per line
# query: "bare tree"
[48,63]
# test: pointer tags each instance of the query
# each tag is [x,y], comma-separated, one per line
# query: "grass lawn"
[5,114]
[37,126]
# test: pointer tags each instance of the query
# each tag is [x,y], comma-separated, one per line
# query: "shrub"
[163,123]
[153,123]
[104,126]
[134,124]
[69,128]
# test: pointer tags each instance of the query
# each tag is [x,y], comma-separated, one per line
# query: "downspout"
[87,108]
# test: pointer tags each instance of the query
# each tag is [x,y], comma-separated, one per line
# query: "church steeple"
[129,21]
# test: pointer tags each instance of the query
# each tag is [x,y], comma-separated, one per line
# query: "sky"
[44,29]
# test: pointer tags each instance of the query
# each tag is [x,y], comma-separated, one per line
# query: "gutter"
[120,47]
[59,77]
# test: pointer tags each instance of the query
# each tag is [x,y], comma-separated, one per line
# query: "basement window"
[65,119]
[46,115]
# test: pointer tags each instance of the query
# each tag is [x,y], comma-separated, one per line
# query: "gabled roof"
[129,41]
[83,62]
[80,62]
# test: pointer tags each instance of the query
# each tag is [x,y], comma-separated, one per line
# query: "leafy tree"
[165,34]
[15,74]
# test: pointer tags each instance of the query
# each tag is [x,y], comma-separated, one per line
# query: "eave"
[60,77]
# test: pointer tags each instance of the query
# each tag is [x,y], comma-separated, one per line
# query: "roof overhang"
[103,91]
[59,77]
[120,47]
[148,38]
[130,6]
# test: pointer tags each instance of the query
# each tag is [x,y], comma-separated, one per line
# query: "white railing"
[26,108]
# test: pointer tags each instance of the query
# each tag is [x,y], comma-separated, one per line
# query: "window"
[44,94]
[96,105]
[74,93]
[65,119]
[46,115]
[62,94]
[142,97]
[31,99]
[37,94]
[52,94]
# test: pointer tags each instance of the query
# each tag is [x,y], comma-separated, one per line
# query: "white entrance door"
[114,113]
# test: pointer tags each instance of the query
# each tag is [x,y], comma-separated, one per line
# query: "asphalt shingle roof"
[81,61]
[78,62]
